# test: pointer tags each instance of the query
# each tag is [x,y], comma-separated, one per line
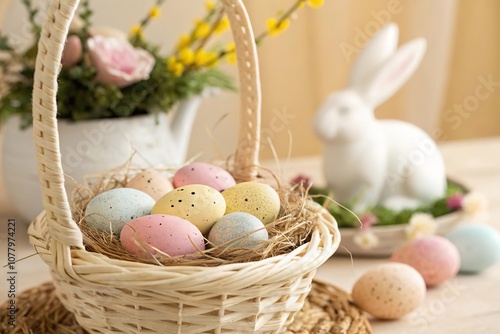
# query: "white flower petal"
[421,224]
[474,203]
[366,240]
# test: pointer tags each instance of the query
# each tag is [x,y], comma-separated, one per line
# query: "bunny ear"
[381,47]
[395,72]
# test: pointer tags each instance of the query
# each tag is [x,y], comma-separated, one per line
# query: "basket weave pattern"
[110,296]
[327,309]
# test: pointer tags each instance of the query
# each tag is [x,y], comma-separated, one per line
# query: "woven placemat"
[327,309]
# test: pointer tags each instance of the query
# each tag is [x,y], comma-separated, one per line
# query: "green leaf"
[385,215]
[4,44]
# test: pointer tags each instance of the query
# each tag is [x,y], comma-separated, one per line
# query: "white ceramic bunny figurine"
[369,161]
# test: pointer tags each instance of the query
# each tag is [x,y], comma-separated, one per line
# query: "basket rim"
[325,240]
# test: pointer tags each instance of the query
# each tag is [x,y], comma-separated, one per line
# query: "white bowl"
[391,238]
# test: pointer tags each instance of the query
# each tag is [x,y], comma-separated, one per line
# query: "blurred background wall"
[301,67]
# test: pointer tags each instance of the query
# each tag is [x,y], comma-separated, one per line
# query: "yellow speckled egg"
[201,205]
[257,199]
[152,183]
[389,291]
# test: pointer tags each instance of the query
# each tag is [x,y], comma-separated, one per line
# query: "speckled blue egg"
[238,226]
[112,209]
[478,245]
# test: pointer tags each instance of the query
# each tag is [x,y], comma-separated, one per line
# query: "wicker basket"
[327,309]
[115,296]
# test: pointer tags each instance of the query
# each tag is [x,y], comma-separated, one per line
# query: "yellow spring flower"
[186,56]
[222,26]
[275,28]
[183,42]
[312,3]
[315,3]
[204,58]
[155,12]
[136,31]
[171,61]
[174,66]
[231,53]
[212,60]
[210,5]
[202,29]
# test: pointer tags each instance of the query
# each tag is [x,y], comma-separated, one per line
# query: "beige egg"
[199,204]
[389,291]
[255,198]
[152,183]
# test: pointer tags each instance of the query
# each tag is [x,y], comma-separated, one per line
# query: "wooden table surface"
[467,304]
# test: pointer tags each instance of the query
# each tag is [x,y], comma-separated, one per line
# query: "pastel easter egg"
[169,234]
[152,183]
[389,291]
[478,246]
[203,173]
[257,199]
[112,209]
[201,205]
[238,230]
[434,257]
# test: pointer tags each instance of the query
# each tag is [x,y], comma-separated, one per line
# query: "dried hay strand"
[290,230]
[38,310]
[329,309]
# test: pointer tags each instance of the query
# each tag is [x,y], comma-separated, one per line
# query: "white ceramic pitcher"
[94,146]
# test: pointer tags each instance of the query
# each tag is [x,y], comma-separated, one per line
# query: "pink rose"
[117,62]
[302,179]
[455,202]
[368,219]
[72,51]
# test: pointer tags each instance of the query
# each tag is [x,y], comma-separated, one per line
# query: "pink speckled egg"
[389,291]
[152,183]
[434,257]
[203,173]
[172,235]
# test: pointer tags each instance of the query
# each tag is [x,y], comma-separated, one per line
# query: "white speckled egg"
[257,199]
[112,209]
[434,257]
[152,183]
[389,291]
[478,246]
[238,226]
[203,173]
[201,205]
[169,234]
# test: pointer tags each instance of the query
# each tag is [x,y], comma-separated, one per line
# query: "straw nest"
[290,230]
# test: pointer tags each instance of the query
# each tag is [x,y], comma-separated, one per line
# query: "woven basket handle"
[61,226]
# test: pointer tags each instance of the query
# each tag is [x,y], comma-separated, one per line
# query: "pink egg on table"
[434,257]
[172,235]
[203,173]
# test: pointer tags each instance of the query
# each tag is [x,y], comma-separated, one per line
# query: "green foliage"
[80,97]
[384,215]
[4,44]
[32,13]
